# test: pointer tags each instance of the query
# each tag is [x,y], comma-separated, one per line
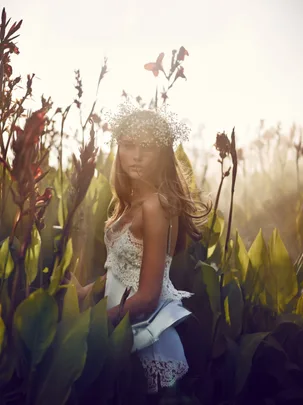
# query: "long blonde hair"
[174,193]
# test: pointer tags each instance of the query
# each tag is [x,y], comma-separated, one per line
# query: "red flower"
[164,96]
[180,73]
[182,53]
[18,130]
[34,126]
[36,170]
[155,67]
[14,49]
[47,195]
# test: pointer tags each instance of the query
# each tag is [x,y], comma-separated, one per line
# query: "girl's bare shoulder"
[152,206]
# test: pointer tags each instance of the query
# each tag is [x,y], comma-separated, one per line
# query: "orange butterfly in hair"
[155,67]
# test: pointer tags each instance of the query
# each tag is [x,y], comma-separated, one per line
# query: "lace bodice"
[124,258]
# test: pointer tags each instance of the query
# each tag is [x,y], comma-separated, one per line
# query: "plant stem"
[215,209]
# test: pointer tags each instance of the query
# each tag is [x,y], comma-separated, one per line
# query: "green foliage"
[213,237]
[60,268]
[248,345]
[247,304]
[6,261]
[32,256]
[98,344]
[35,321]
[56,375]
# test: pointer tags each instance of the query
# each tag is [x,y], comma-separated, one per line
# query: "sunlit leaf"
[281,282]
[35,320]
[60,268]
[211,281]
[241,258]
[299,308]
[70,303]
[217,231]
[255,276]
[120,345]
[98,345]
[6,260]
[32,256]
[56,374]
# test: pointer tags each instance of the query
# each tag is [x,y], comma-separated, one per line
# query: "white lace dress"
[165,359]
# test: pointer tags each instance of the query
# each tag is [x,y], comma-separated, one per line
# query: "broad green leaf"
[217,231]
[98,345]
[32,256]
[60,268]
[285,333]
[225,262]
[209,277]
[120,345]
[241,258]
[5,300]
[282,282]
[257,274]
[6,260]
[97,288]
[248,346]
[35,321]
[56,375]
[2,333]
[234,307]
[7,364]
[211,280]
[62,212]
[226,310]
[70,302]
[299,308]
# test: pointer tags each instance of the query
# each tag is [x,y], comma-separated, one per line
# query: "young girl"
[153,212]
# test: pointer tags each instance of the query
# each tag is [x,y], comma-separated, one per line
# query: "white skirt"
[164,360]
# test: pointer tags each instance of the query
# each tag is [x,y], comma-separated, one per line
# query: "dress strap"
[169,236]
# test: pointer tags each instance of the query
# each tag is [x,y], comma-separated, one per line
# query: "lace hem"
[167,372]
[171,292]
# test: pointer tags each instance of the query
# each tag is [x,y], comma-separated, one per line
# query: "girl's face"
[139,159]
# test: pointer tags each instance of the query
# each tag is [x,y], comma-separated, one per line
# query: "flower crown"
[158,126]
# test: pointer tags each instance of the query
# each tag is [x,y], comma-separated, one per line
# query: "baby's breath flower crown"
[160,126]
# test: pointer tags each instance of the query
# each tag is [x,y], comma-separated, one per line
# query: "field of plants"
[244,343]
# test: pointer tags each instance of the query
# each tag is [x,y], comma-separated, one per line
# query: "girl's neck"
[140,192]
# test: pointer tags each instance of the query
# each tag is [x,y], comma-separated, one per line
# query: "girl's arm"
[155,232]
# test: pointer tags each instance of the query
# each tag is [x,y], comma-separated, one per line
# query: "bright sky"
[245,57]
